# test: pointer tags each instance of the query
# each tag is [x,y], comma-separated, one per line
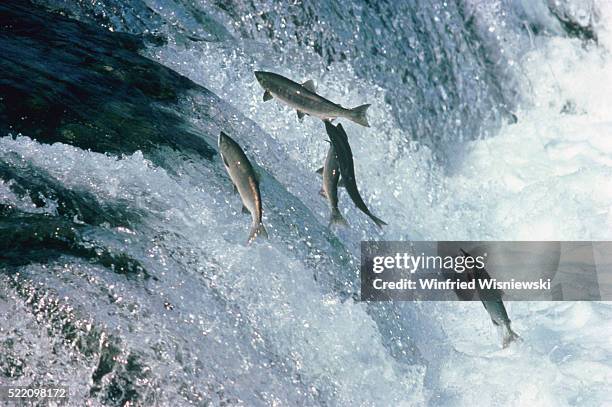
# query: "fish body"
[499,317]
[339,141]
[331,176]
[245,181]
[492,301]
[305,100]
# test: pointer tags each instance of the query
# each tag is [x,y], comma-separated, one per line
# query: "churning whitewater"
[124,254]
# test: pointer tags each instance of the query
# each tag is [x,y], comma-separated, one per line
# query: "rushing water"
[125,273]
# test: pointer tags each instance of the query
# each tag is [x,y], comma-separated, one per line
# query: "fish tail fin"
[379,222]
[358,115]
[257,230]
[509,336]
[336,218]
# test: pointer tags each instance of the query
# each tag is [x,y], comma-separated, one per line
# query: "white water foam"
[549,176]
[545,177]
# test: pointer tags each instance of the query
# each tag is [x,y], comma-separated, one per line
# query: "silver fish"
[305,99]
[492,301]
[499,316]
[340,181]
[331,175]
[245,180]
[339,141]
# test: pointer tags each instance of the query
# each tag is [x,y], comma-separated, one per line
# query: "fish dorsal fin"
[319,171]
[245,210]
[309,84]
[267,96]
[300,115]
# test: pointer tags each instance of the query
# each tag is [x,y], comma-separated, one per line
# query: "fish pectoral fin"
[319,171]
[300,115]
[267,96]
[322,193]
[235,189]
[309,84]
[245,210]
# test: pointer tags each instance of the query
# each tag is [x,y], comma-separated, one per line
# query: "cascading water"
[123,252]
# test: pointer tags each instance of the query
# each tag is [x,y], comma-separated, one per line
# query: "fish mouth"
[222,138]
[260,75]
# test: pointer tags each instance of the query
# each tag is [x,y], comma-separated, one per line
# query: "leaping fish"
[305,99]
[245,180]
[339,141]
[331,175]
[492,301]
